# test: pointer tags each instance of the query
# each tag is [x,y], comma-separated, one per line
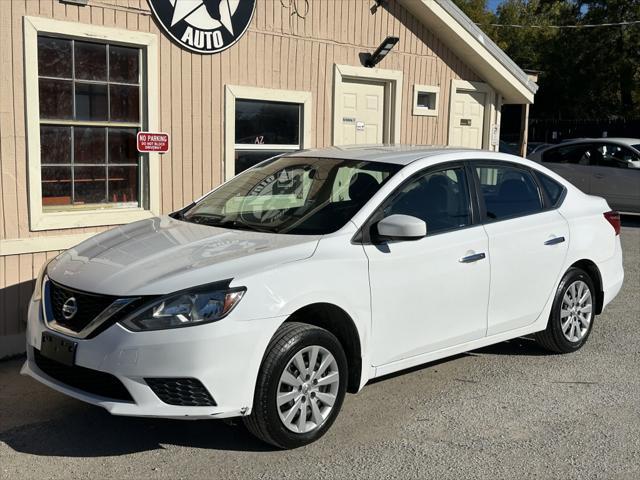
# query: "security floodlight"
[381,52]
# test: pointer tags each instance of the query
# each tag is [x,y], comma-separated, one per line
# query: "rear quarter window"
[553,189]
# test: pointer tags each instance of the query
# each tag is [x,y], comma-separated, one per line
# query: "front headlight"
[185,309]
[37,291]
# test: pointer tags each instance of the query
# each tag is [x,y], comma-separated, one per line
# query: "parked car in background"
[607,167]
[310,274]
[513,148]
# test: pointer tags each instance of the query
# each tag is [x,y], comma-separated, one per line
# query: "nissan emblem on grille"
[70,308]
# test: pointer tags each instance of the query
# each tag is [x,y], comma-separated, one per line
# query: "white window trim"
[233,92]
[38,218]
[423,111]
[392,97]
[491,112]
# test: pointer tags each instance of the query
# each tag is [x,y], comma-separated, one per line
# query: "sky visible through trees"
[586,72]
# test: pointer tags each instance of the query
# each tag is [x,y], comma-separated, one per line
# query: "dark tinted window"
[616,156]
[552,188]
[508,192]
[576,154]
[269,123]
[440,198]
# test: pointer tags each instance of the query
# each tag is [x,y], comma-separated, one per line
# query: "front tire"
[301,386]
[572,314]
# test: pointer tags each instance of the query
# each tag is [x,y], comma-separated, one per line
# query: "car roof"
[621,140]
[397,154]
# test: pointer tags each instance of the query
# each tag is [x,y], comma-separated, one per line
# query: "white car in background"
[310,274]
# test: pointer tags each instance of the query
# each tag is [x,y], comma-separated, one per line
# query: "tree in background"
[587,73]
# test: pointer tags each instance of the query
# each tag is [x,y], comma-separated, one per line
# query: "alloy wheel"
[576,311]
[308,389]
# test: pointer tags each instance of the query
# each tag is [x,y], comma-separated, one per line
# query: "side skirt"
[455,350]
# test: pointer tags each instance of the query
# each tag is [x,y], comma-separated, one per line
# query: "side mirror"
[402,227]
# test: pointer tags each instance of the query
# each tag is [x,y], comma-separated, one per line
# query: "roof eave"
[473,47]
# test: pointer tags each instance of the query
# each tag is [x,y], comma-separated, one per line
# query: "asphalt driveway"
[507,411]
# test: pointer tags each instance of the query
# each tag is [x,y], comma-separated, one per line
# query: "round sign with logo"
[204,26]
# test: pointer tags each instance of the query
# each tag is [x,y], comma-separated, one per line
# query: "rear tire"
[300,388]
[572,314]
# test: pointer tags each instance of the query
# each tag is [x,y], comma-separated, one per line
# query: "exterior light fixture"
[381,52]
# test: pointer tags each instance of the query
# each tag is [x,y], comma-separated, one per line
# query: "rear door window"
[574,154]
[508,192]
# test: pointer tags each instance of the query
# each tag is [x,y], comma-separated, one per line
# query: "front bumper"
[224,356]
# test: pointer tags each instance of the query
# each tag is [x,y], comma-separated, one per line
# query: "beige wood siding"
[279,51]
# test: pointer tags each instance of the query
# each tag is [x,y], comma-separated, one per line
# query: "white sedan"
[312,273]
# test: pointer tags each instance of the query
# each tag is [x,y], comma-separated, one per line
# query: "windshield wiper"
[216,220]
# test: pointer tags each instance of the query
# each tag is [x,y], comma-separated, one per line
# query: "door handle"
[554,241]
[598,175]
[472,258]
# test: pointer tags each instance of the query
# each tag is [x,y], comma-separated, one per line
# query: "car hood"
[162,255]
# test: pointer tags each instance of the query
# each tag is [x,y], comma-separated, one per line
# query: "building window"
[262,123]
[265,129]
[90,113]
[86,100]
[425,100]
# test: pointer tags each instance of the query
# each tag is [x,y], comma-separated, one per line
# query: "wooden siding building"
[78,81]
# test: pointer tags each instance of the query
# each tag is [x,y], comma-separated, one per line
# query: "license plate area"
[58,348]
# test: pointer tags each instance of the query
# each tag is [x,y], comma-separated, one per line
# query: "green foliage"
[587,72]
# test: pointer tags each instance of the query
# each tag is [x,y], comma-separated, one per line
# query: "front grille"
[89,306]
[85,379]
[186,392]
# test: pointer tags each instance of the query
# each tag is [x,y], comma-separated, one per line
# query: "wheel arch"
[337,321]
[594,273]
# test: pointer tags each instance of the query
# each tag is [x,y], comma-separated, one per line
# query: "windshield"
[296,195]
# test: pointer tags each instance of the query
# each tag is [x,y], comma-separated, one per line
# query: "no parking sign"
[153,142]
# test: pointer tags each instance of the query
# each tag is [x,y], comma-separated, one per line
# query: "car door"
[572,162]
[528,243]
[616,177]
[430,293]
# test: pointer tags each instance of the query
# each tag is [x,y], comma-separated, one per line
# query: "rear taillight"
[614,219]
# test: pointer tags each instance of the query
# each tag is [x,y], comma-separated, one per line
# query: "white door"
[467,122]
[430,293]
[361,108]
[527,246]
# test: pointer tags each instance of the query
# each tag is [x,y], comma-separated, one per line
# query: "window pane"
[56,186]
[267,122]
[123,64]
[89,184]
[56,99]
[615,156]
[248,158]
[123,184]
[552,188]
[123,145]
[125,103]
[578,154]
[91,101]
[54,57]
[91,61]
[508,192]
[89,144]
[427,100]
[440,199]
[55,144]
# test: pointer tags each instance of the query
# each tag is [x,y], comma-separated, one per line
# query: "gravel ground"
[507,411]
